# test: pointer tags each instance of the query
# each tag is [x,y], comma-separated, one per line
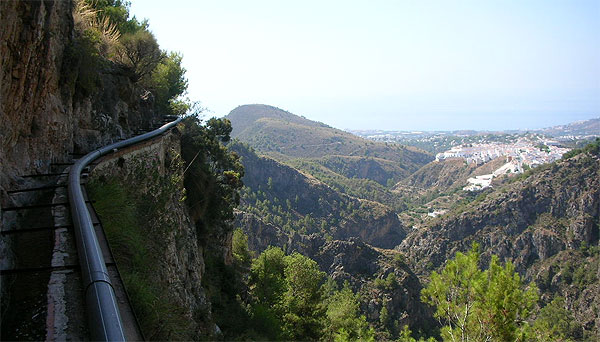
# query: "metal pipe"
[103,314]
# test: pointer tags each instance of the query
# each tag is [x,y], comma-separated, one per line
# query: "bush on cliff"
[106,36]
[212,176]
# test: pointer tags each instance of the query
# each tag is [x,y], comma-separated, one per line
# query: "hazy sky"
[395,65]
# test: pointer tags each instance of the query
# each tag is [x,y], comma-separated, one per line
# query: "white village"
[520,155]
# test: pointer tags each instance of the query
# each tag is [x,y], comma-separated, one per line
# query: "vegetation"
[346,322]
[135,226]
[345,162]
[140,52]
[476,305]
[555,323]
[592,148]
[353,186]
[212,175]
[276,296]
[291,293]
[288,298]
[295,202]
[106,37]
[239,247]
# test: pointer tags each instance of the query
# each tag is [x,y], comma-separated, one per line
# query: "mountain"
[307,190]
[546,222]
[284,135]
[347,163]
[350,238]
[578,128]
[245,116]
[381,276]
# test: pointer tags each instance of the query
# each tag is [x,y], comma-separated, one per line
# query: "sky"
[390,65]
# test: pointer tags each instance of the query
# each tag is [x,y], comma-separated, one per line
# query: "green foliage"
[168,83]
[224,284]
[267,277]
[406,336]
[543,147]
[384,316]
[117,11]
[399,260]
[592,148]
[303,312]
[104,34]
[389,283]
[358,187]
[505,304]
[555,323]
[480,305]
[213,174]
[291,300]
[81,63]
[140,53]
[239,246]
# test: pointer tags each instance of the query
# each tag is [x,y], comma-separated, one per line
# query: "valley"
[264,225]
[347,203]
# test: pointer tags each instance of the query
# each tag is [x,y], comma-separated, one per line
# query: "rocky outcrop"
[445,175]
[36,119]
[376,169]
[528,220]
[44,114]
[575,276]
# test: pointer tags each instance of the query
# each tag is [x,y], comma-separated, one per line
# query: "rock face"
[181,263]
[528,220]
[44,117]
[438,174]
[33,110]
[531,222]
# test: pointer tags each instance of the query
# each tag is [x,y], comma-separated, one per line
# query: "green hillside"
[342,160]
[270,129]
[298,203]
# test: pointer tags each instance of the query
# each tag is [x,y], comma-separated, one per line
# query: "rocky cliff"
[47,116]
[44,116]
[447,174]
[152,179]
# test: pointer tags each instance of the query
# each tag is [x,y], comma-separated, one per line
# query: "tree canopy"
[476,305]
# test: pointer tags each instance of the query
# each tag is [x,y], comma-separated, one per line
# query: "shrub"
[140,52]
[555,323]
[239,246]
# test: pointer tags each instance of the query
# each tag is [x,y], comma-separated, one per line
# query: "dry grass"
[86,18]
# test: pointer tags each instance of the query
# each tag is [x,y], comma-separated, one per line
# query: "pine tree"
[476,305]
